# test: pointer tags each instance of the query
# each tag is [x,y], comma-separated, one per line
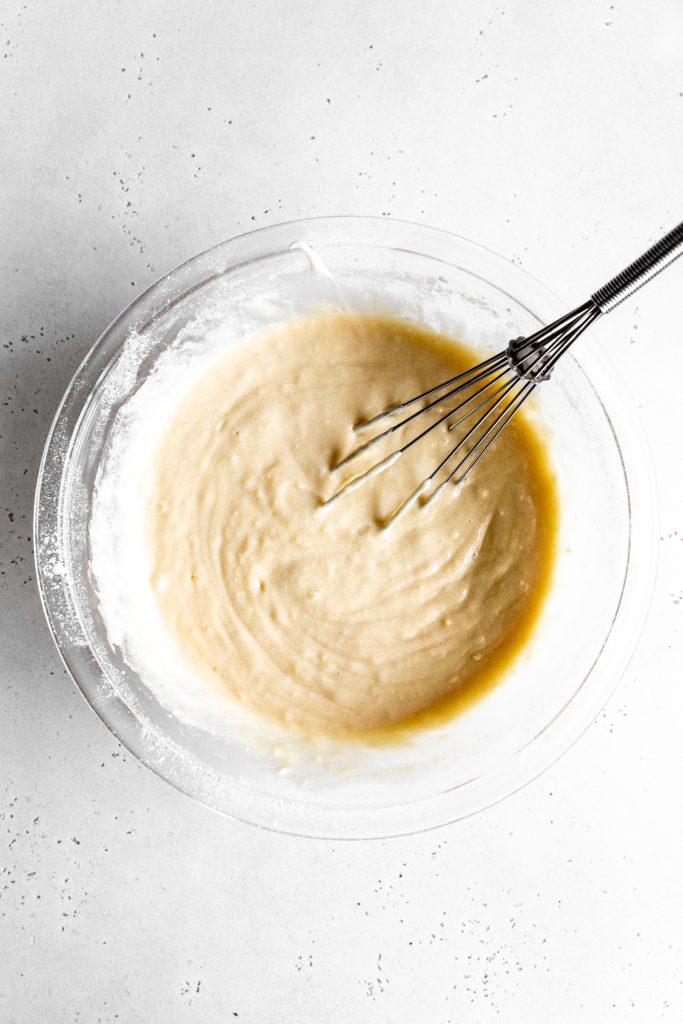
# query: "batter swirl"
[316,617]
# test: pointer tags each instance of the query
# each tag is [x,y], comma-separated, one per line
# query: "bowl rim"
[556,737]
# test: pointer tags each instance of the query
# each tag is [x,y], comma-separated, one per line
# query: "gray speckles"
[303,961]
[377,985]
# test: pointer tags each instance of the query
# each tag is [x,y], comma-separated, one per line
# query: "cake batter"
[315,617]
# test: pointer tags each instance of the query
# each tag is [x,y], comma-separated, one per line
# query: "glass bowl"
[602,582]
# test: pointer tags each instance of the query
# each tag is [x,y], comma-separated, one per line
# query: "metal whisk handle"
[663,252]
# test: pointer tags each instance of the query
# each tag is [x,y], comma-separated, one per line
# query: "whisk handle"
[663,252]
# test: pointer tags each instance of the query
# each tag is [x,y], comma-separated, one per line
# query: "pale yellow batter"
[315,616]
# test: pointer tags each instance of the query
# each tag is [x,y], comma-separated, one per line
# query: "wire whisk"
[496,388]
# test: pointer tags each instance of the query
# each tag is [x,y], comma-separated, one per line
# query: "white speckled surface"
[135,135]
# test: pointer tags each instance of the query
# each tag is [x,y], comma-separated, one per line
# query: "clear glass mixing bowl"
[602,583]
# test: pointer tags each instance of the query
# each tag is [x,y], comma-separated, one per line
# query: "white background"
[133,136]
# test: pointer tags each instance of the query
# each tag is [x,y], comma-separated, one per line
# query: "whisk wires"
[495,389]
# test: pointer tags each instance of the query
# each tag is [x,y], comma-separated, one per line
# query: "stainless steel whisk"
[501,384]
